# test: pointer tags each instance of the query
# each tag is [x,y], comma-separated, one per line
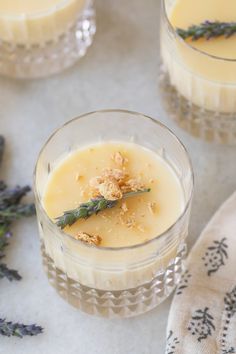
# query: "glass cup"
[198,90]
[43,43]
[105,281]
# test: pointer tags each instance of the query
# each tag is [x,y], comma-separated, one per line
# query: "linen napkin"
[202,318]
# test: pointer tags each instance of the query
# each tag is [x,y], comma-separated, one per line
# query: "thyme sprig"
[93,206]
[208,30]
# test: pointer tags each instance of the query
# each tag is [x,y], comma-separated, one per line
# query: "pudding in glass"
[98,170]
[198,81]
[38,38]
[124,259]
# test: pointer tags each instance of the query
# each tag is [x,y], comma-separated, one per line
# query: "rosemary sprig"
[93,206]
[18,330]
[208,30]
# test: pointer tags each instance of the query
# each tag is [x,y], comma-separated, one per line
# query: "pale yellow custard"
[36,21]
[202,71]
[134,220]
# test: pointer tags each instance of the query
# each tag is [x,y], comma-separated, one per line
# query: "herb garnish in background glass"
[12,209]
[208,30]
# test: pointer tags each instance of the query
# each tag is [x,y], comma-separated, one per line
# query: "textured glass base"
[124,303]
[208,125]
[51,57]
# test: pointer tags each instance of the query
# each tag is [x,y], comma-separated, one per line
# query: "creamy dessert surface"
[134,220]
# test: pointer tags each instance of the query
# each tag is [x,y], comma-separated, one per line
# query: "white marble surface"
[119,71]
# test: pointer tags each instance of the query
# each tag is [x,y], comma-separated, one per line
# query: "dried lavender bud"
[10,274]
[2,186]
[2,145]
[5,234]
[208,30]
[18,330]
[15,212]
[10,197]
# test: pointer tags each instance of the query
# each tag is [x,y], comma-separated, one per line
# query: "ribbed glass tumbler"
[45,42]
[114,282]
[198,89]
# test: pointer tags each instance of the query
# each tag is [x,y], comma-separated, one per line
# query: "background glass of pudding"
[198,78]
[42,37]
[132,271]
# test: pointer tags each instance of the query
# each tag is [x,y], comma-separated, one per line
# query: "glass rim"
[37,14]
[187,44]
[123,248]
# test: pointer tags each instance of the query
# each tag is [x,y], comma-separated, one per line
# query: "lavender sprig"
[18,330]
[93,206]
[208,30]
[2,186]
[12,196]
[10,274]
[5,234]
[2,146]
[10,210]
[15,212]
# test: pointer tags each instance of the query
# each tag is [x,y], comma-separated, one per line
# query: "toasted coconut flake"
[128,221]
[141,228]
[134,185]
[82,193]
[119,159]
[131,222]
[124,207]
[89,239]
[105,215]
[95,182]
[119,175]
[78,177]
[110,189]
[152,207]
[113,183]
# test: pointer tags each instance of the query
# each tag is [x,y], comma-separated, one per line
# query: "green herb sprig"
[208,30]
[93,206]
